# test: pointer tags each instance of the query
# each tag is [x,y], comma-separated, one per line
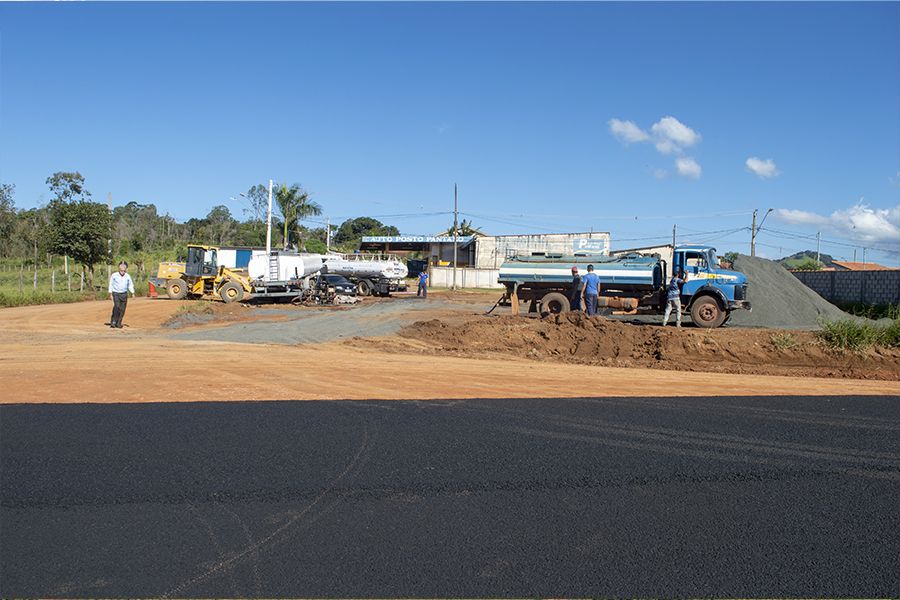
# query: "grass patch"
[852,335]
[872,311]
[9,299]
[783,341]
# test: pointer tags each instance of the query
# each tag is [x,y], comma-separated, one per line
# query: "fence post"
[69,281]
[20,281]
[53,281]
[35,280]
[81,285]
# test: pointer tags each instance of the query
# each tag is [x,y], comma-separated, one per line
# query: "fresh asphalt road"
[741,497]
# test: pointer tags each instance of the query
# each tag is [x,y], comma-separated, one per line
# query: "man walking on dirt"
[673,299]
[575,290]
[423,285]
[120,284]
[591,291]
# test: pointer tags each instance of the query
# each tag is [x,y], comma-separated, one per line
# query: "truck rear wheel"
[707,313]
[555,303]
[176,289]
[364,287]
[231,292]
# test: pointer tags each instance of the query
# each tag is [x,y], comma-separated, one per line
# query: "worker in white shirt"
[120,284]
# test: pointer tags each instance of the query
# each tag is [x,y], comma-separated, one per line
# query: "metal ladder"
[273,267]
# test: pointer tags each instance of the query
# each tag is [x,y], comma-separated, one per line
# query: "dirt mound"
[779,299]
[575,338]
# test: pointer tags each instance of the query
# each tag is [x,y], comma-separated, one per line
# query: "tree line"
[87,232]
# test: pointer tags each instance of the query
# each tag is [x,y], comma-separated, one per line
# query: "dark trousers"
[120,300]
[575,302]
[422,291]
[590,304]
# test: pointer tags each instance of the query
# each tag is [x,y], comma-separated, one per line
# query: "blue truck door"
[697,272]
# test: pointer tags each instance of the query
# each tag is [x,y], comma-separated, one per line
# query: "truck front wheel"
[555,303]
[707,313]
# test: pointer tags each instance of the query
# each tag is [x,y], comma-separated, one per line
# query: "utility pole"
[674,228]
[854,255]
[818,234]
[109,240]
[455,232]
[753,234]
[864,255]
[269,223]
[328,235]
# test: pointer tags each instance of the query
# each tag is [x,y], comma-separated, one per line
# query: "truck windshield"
[713,259]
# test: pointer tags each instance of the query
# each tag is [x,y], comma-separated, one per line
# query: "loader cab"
[201,262]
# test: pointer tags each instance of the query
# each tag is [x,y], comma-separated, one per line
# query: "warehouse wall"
[466,277]
[492,251]
[869,287]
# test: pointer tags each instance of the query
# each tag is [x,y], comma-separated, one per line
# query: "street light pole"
[455,233]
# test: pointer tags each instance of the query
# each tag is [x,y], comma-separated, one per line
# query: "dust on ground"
[65,353]
[579,339]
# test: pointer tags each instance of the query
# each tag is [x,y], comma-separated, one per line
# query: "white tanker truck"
[375,274]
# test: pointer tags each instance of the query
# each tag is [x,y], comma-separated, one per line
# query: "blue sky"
[617,117]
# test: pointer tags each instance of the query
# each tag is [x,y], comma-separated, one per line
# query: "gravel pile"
[779,299]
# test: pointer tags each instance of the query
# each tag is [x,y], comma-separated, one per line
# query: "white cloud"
[860,222]
[764,168]
[671,135]
[660,173]
[627,131]
[688,167]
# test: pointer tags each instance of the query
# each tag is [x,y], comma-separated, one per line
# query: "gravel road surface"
[738,497]
[315,326]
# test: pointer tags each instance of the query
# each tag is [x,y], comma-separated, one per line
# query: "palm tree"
[465,228]
[294,204]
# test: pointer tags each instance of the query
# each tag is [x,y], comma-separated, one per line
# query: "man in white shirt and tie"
[120,284]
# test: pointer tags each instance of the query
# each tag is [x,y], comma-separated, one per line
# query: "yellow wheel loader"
[201,277]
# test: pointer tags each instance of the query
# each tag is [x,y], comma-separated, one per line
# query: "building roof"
[860,266]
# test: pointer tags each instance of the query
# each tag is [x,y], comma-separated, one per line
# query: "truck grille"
[740,292]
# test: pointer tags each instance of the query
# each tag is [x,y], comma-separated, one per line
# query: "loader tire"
[231,292]
[555,303]
[176,289]
[707,313]
[364,287]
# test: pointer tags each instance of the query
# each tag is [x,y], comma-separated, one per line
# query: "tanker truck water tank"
[290,265]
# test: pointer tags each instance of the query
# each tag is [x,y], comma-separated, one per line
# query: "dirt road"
[64,353]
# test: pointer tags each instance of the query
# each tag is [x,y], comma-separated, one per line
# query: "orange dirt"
[64,353]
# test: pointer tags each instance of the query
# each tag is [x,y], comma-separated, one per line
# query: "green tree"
[80,230]
[352,231]
[295,205]
[220,225]
[806,264]
[68,187]
[465,228]
[7,217]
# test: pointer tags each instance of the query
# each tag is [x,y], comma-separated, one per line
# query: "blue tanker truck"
[632,281]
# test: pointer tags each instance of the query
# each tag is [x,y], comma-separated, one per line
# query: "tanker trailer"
[284,274]
[630,282]
[375,274]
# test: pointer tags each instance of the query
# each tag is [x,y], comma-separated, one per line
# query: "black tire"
[555,303]
[365,287]
[176,289]
[706,313]
[231,292]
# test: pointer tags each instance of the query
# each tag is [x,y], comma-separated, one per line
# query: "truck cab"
[706,282]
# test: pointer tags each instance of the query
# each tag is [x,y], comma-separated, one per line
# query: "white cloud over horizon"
[763,168]
[860,222]
[688,167]
[668,136]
